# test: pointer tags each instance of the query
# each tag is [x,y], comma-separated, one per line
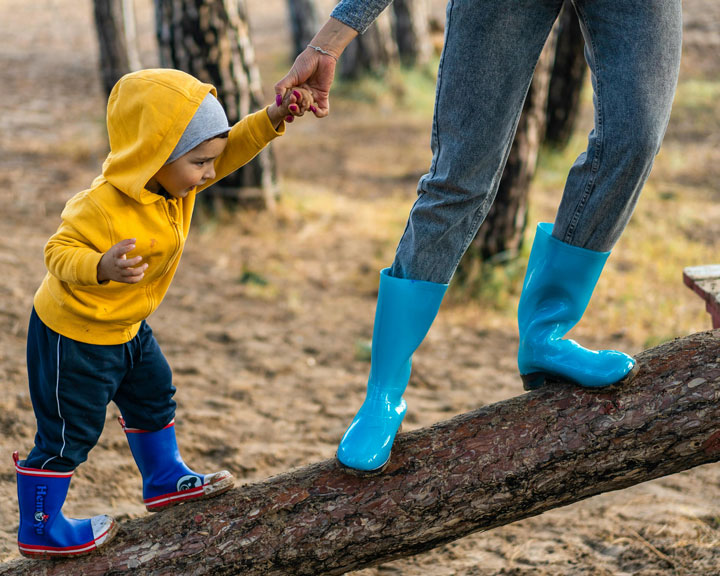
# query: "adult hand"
[314,72]
[114,264]
[314,68]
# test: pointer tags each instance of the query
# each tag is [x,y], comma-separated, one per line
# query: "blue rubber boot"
[44,531]
[405,311]
[166,478]
[559,282]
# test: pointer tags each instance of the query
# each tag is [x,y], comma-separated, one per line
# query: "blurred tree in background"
[304,23]
[372,52]
[115,27]
[412,31]
[399,35]
[210,39]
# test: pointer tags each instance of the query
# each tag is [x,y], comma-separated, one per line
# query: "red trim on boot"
[140,431]
[173,498]
[37,471]
[44,551]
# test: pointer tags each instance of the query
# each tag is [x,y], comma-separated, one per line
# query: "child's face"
[193,169]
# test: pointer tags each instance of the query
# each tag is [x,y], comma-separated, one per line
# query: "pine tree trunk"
[412,31]
[372,52]
[500,236]
[210,39]
[496,465]
[115,26]
[304,22]
[567,78]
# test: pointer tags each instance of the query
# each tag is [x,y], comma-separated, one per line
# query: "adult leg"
[490,53]
[491,49]
[633,49]
[145,401]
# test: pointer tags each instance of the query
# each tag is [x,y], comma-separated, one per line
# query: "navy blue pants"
[71,384]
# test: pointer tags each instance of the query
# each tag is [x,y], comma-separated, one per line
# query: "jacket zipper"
[171,206]
[176,228]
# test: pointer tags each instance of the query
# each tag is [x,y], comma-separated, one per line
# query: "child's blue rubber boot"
[405,311]
[166,478]
[44,531]
[559,282]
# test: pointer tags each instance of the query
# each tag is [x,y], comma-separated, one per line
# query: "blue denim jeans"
[491,48]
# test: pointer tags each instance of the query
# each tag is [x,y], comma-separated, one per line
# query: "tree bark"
[115,26]
[412,31]
[304,22]
[566,80]
[480,470]
[372,52]
[210,39]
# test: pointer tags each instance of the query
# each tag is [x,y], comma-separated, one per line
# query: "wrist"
[323,51]
[274,115]
[100,273]
[332,39]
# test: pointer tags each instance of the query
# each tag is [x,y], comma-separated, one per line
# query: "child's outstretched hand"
[114,264]
[295,103]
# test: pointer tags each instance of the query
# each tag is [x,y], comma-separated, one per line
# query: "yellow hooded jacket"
[147,114]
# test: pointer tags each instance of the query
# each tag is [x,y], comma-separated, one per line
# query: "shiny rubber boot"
[44,531]
[166,479]
[559,282]
[405,311]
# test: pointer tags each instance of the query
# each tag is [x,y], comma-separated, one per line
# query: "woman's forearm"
[334,37]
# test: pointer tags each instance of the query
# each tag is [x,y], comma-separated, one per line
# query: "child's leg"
[145,396]
[71,384]
[145,400]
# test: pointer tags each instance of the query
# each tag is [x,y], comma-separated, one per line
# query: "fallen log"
[480,470]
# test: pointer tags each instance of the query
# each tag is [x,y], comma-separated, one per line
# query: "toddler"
[110,264]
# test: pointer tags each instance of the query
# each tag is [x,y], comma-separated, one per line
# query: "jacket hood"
[147,114]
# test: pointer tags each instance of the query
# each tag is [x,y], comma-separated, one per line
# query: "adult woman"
[490,52]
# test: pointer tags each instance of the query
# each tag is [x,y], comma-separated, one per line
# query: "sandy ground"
[269,374]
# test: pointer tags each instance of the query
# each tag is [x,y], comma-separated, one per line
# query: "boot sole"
[536,380]
[533,381]
[368,473]
[60,555]
[216,487]
[363,473]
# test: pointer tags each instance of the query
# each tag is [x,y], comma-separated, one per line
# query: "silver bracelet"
[318,49]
